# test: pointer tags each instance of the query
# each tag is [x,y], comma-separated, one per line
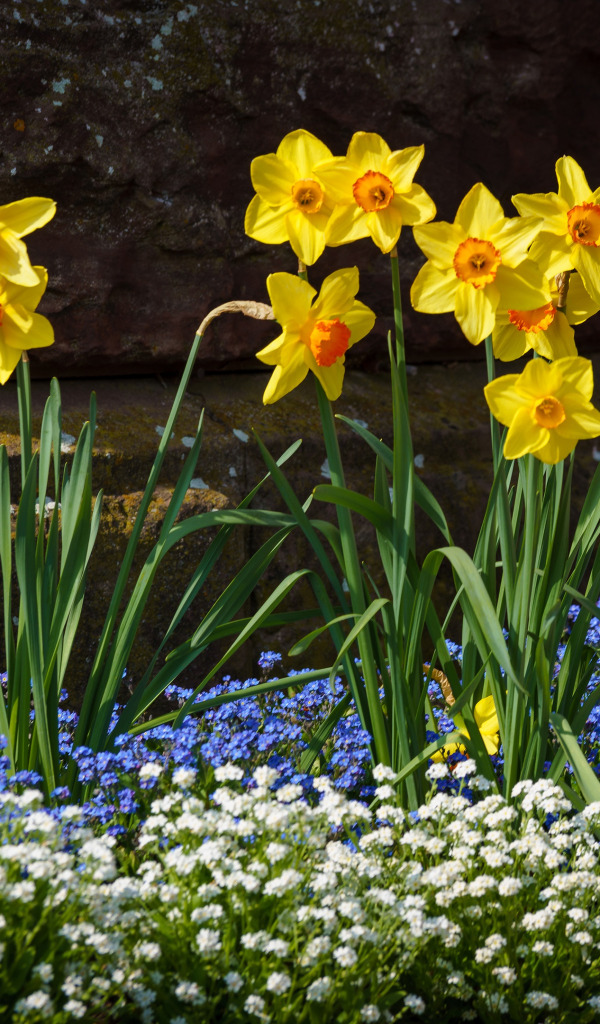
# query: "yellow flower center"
[373,191]
[532,320]
[328,341]
[476,261]
[307,195]
[549,412]
[584,224]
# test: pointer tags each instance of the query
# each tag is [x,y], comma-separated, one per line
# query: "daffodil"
[18,219]
[486,719]
[570,228]
[20,327]
[316,332]
[547,408]
[374,192]
[291,204]
[476,264]
[545,330]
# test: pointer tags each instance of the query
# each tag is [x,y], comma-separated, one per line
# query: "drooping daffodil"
[20,327]
[18,219]
[478,263]
[316,332]
[570,229]
[547,408]
[374,191]
[486,719]
[291,204]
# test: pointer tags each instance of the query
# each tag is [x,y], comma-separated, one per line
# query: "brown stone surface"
[140,118]
[451,441]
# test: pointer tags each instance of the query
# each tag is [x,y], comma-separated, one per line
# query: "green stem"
[24,398]
[398,323]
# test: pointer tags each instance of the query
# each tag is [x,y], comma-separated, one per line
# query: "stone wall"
[140,117]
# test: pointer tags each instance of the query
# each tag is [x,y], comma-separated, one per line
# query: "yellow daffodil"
[486,720]
[374,190]
[20,327]
[315,334]
[18,219]
[547,408]
[545,330]
[570,229]
[580,304]
[291,204]
[476,264]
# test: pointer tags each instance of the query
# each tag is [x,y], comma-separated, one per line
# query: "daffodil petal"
[368,151]
[346,224]
[509,342]
[35,332]
[9,357]
[556,448]
[415,205]
[402,166]
[305,239]
[579,374]
[580,304]
[474,310]
[285,378]
[552,253]
[360,319]
[434,290]
[303,150]
[338,177]
[20,317]
[272,178]
[331,378]
[14,261]
[337,294]
[522,287]
[485,715]
[524,435]
[291,299]
[271,353]
[514,237]
[478,212]
[30,295]
[587,261]
[540,379]
[557,341]
[27,215]
[439,242]
[503,399]
[572,182]
[266,223]
[548,206]
[384,227]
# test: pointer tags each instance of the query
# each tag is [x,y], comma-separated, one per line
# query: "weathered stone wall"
[140,118]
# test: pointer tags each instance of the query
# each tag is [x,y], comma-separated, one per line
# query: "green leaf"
[587,781]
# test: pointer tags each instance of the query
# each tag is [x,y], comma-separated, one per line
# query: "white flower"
[345,956]
[289,792]
[541,1000]
[255,1005]
[190,992]
[287,880]
[279,947]
[265,776]
[583,938]
[505,975]
[383,773]
[233,981]
[415,1003]
[542,948]
[229,773]
[39,1002]
[317,990]
[75,1008]
[437,771]
[184,777]
[463,769]
[147,951]
[208,940]
[370,1013]
[385,792]
[538,920]
[150,770]
[278,983]
[509,886]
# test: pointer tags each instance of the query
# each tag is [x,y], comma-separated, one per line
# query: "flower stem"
[24,398]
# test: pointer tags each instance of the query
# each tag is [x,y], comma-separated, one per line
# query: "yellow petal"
[27,296]
[439,242]
[360,319]
[572,182]
[509,342]
[27,214]
[402,166]
[557,341]
[338,177]
[415,205]
[433,290]
[20,317]
[522,287]
[579,374]
[514,237]
[524,435]
[474,309]
[14,261]
[331,378]
[272,178]
[556,449]
[285,378]
[337,294]
[552,210]
[266,223]
[346,224]
[552,253]
[580,423]
[291,299]
[9,357]
[586,259]
[39,332]
[485,715]
[580,304]
[271,353]
[478,212]
[305,238]
[503,399]
[539,379]
[303,150]
[384,227]
[368,151]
